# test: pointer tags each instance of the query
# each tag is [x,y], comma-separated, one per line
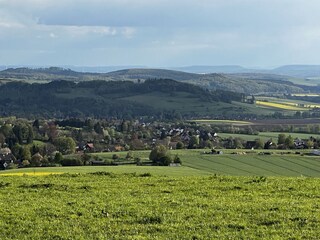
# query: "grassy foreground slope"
[128,206]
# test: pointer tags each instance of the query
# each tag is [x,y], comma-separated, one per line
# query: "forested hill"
[249,84]
[102,99]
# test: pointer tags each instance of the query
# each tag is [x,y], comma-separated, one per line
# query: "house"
[6,159]
[87,147]
[250,144]
[300,144]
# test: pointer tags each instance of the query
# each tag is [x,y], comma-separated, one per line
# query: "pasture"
[103,205]
[237,195]
[265,136]
[221,122]
[196,163]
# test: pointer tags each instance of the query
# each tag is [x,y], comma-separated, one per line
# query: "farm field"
[286,104]
[142,206]
[264,122]
[265,136]
[280,106]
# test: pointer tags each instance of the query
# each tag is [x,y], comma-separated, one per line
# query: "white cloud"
[171,30]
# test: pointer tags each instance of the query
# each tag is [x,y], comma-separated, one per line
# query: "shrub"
[180,145]
[71,162]
[25,163]
[12,166]
[109,162]
[165,160]
[58,157]
[157,153]
[138,161]
[129,155]
[177,159]
[115,156]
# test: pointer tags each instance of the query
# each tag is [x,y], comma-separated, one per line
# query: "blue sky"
[159,33]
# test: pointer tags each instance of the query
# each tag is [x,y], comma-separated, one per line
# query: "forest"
[109,99]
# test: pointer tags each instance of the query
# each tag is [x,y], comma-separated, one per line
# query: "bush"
[25,163]
[12,166]
[157,153]
[138,161]
[165,160]
[129,155]
[177,159]
[58,157]
[109,162]
[180,145]
[115,156]
[71,162]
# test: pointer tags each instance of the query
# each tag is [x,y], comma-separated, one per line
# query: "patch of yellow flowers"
[30,173]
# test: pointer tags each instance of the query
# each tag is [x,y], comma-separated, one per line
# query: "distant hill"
[243,83]
[296,71]
[160,98]
[303,71]
[46,74]
[249,83]
[149,73]
[213,69]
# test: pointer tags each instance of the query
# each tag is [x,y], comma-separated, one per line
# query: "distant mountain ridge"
[212,69]
[299,71]
[242,83]
[306,71]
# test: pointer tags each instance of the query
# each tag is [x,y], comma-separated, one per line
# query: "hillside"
[47,75]
[303,71]
[124,99]
[102,205]
[213,69]
[243,83]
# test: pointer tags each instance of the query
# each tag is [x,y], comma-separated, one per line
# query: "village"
[46,143]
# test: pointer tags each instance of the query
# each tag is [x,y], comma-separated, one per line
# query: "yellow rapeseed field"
[280,105]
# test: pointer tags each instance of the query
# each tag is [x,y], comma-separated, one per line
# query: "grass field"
[229,196]
[306,94]
[265,136]
[158,171]
[222,122]
[195,163]
[142,206]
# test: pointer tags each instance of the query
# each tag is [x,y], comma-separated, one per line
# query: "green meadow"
[104,205]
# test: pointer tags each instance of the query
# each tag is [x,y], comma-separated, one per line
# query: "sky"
[159,33]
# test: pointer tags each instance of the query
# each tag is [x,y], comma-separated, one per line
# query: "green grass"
[155,170]
[179,101]
[195,163]
[259,110]
[265,136]
[221,122]
[140,206]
